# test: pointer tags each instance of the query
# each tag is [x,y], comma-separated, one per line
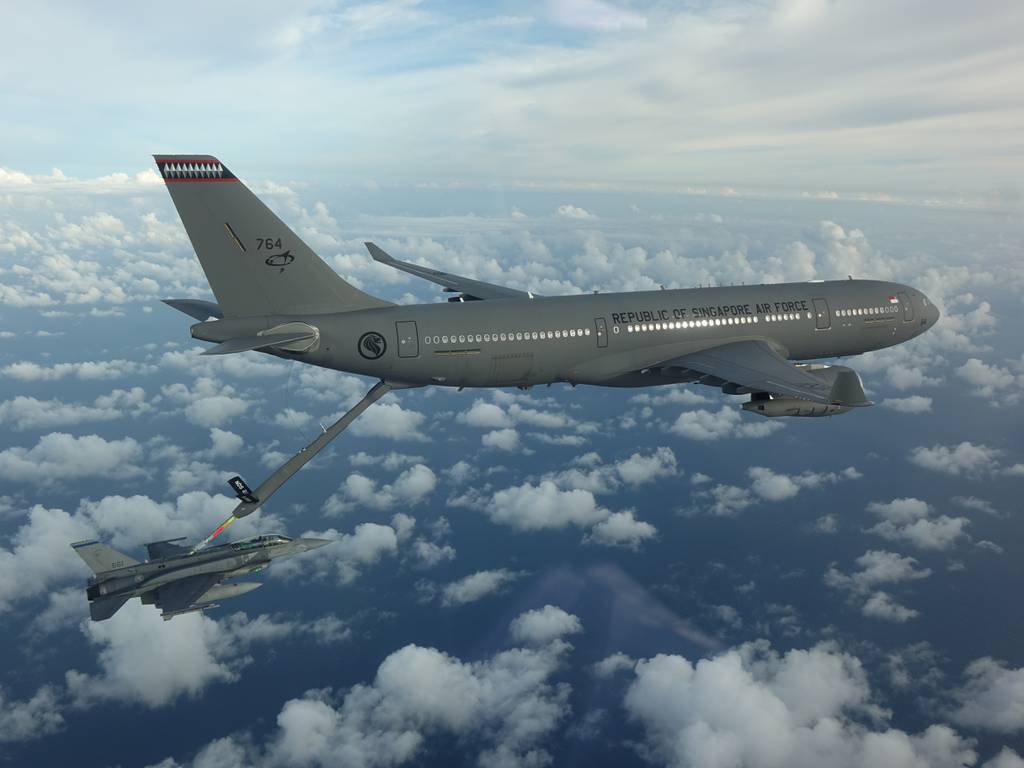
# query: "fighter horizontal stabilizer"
[247,343]
[758,367]
[197,308]
[101,558]
[183,594]
[105,607]
[472,289]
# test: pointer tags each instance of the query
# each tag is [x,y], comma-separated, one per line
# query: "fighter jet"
[176,579]
[275,295]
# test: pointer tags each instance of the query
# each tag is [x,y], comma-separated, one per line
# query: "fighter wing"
[470,289]
[180,595]
[756,366]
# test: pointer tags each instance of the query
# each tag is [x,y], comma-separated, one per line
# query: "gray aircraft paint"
[118,577]
[261,295]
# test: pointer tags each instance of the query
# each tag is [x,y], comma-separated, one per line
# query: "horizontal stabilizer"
[247,343]
[101,558]
[105,607]
[197,308]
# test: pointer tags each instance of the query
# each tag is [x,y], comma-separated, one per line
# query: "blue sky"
[561,576]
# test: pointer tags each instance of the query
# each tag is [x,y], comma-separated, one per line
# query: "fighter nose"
[315,543]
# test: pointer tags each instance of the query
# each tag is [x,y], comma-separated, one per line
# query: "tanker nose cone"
[932,314]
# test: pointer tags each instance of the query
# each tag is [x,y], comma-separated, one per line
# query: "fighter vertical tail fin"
[254,263]
[101,558]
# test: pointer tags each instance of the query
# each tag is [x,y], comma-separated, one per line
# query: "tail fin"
[255,264]
[102,558]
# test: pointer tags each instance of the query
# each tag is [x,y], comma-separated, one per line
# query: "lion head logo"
[372,345]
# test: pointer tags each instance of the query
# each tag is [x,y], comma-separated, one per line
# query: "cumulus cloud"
[992,698]
[965,458]
[752,706]
[411,487]
[530,507]
[207,403]
[59,456]
[767,485]
[153,662]
[346,557]
[913,521]
[911,404]
[877,568]
[31,718]
[389,420]
[88,371]
[502,440]
[478,585]
[621,529]
[540,627]
[724,423]
[23,413]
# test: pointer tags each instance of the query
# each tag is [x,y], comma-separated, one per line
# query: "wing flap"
[182,594]
[754,364]
[474,289]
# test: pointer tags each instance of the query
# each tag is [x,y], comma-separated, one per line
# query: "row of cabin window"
[742,320]
[865,311]
[481,338]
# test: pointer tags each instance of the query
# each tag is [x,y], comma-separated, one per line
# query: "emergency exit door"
[602,331]
[822,317]
[408,339]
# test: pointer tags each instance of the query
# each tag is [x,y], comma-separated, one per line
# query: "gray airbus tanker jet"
[276,296]
[177,579]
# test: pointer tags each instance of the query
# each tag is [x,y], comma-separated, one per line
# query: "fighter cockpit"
[266,540]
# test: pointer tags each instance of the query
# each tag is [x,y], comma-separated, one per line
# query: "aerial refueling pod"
[847,393]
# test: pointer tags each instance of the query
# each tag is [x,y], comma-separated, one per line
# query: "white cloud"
[611,665]
[992,698]
[574,212]
[639,469]
[208,403]
[750,706]
[478,585]
[501,440]
[346,557]
[153,662]
[621,529]
[290,418]
[966,458]
[541,626]
[32,718]
[1007,758]
[990,381]
[224,443]
[911,404]
[410,488]
[505,706]
[878,567]
[429,553]
[22,413]
[726,422]
[726,500]
[389,420]
[529,507]
[88,371]
[59,456]
[880,605]
[485,415]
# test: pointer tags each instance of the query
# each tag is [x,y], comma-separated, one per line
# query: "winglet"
[379,254]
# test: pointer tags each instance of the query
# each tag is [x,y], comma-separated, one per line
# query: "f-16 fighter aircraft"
[177,580]
[276,296]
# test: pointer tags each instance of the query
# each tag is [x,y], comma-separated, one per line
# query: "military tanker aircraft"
[275,295]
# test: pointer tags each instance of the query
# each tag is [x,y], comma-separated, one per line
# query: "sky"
[562,576]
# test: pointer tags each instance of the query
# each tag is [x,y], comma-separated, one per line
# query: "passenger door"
[408,338]
[602,331]
[822,317]
[908,308]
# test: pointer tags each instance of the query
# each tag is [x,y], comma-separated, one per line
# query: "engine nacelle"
[791,406]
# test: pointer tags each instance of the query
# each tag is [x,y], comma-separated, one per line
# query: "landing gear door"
[602,331]
[822,317]
[408,338]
